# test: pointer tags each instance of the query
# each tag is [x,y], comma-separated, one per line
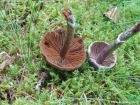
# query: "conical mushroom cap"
[52,44]
[93,51]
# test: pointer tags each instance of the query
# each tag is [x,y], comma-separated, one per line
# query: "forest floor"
[23,24]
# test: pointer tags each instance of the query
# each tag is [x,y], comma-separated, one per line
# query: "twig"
[85,97]
[56,23]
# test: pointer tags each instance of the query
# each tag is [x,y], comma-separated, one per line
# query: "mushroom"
[101,54]
[63,49]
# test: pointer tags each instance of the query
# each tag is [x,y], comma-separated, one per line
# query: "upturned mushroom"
[63,49]
[101,54]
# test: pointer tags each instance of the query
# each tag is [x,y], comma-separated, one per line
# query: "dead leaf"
[113,14]
[6,60]
[26,28]
[3,56]
[10,95]
[44,76]
[59,92]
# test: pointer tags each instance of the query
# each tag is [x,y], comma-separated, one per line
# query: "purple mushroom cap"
[93,51]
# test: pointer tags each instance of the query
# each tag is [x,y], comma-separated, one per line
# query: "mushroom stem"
[122,37]
[69,37]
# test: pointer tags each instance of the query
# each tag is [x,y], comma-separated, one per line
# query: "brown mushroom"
[63,49]
[101,54]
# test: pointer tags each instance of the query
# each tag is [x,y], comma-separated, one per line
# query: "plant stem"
[119,41]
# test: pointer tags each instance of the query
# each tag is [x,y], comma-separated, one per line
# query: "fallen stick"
[56,23]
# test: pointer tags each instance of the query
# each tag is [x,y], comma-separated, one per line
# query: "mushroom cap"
[94,49]
[52,44]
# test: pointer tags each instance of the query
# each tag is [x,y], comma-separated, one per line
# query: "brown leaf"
[3,56]
[59,92]
[6,60]
[26,28]
[113,14]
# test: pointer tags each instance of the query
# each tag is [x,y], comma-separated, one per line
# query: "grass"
[84,86]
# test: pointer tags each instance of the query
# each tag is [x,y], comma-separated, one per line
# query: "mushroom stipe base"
[52,44]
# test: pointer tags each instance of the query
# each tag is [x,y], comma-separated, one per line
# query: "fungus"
[63,49]
[101,54]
